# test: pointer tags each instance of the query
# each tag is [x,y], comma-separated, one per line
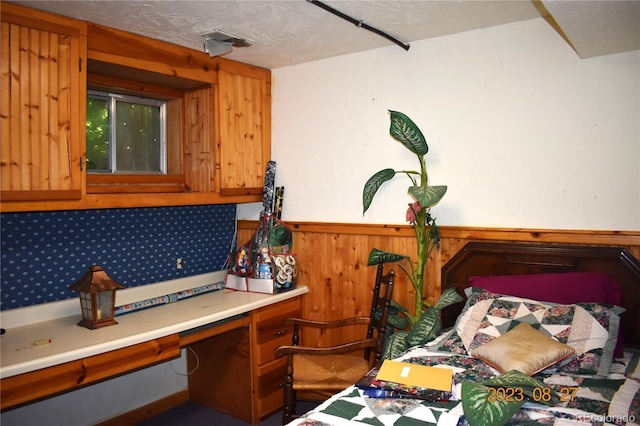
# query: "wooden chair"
[324,371]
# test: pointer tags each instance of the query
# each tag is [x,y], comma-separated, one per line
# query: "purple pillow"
[564,288]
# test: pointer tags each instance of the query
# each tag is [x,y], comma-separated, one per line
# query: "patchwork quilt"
[587,399]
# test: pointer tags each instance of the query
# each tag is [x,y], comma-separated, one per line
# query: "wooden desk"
[77,356]
[237,372]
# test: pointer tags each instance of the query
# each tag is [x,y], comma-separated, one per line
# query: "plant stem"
[424,177]
[423,237]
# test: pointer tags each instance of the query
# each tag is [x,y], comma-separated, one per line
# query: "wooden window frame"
[174,180]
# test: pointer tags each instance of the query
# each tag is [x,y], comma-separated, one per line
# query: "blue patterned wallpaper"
[43,252]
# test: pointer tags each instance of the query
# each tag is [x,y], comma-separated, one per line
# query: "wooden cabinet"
[42,109]
[236,372]
[225,117]
[220,117]
[244,137]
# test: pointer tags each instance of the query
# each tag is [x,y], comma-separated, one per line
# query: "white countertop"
[70,342]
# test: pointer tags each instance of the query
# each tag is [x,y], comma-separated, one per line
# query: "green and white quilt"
[595,400]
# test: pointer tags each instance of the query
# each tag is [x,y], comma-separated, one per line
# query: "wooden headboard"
[483,259]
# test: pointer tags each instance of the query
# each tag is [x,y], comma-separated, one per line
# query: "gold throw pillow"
[524,349]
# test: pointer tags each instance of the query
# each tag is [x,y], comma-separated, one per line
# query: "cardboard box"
[235,282]
[256,285]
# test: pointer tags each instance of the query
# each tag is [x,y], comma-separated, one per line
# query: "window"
[125,134]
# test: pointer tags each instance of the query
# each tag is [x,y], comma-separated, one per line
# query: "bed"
[583,298]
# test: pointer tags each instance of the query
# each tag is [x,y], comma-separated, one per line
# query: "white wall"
[523,132]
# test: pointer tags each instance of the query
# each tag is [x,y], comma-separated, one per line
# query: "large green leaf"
[448,297]
[407,133]
[397,316]
[429,324]
[427,327]
[373,184]
[399,307]
[479,410]
[517,379]
[434,233]
[395,345]
[513,378]
[397,319]
[376,256]
[428,196]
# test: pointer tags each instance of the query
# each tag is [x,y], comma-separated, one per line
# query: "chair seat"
[335,372]
[317,372]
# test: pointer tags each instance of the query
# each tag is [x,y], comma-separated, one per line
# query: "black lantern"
[97,293]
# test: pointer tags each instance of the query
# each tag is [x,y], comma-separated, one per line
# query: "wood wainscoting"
[332,259]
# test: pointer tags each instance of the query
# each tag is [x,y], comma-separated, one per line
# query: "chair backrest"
[380,306]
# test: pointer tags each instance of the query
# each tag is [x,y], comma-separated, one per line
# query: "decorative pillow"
[591,329]
[522,348]
[562,287]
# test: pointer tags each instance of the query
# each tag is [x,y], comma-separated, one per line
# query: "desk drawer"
[270,320]
[270,329]
[264,352]
[270,387]
[268,332]
[47,381]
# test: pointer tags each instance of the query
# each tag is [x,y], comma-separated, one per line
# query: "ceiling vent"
[218,43]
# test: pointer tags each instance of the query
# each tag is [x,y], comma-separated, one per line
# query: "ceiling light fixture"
[218,43]
[359,24]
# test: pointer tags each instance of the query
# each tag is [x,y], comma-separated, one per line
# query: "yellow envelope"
[416,375]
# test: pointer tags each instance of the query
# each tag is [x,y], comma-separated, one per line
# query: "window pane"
[98,134]
[138,137]
[125,134]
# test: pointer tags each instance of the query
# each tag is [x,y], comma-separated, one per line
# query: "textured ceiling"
[290,32]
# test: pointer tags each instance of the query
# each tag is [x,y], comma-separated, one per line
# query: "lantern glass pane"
[104,305]
[85,305]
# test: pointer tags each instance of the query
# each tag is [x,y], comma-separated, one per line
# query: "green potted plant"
[425,322]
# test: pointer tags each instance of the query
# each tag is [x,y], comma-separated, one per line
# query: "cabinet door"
[199,149]
[244,102]
[41,109]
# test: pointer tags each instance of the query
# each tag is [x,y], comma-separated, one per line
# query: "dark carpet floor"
[193,414]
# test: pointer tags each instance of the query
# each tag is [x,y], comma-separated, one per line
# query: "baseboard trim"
[148,411]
